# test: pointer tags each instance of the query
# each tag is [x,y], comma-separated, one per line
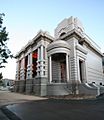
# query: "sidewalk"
[52,109]
[10,98]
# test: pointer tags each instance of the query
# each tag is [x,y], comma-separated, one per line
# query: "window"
[80,42]
[101,83]
[43,72]
[39,53]
[93,82]
[34,62]
[43,52]
[62,34]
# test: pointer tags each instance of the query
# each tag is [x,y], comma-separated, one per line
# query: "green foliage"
[1,83]
[1,76]
[5,53]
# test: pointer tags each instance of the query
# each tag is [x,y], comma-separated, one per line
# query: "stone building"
[68,63]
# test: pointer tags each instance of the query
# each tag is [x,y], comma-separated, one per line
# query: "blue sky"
[24,18]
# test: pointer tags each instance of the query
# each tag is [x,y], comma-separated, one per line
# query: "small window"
[103,61]
[80,42]
[62,34]
[100,83]
[39,73]
[44,53]
[93,82]
[44,72]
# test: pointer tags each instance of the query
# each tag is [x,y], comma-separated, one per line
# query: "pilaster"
[73,60]
[17,70]
[41,62]
[22,69]
[50,68]
[67,67]
[29,66]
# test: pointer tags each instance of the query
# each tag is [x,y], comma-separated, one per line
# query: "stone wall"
[21,86]
[94,67]
[29,86]
[40,86]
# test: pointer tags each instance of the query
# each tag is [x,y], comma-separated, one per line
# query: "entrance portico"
[58,59]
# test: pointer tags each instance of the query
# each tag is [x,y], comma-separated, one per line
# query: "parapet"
[67,25]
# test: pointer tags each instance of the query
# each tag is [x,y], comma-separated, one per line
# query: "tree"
[1,76]
[5,53]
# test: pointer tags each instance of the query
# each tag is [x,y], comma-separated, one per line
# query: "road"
[7,98]
[37,108]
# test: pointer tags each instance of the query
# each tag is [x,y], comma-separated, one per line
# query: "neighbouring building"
[68,63]
[8,82]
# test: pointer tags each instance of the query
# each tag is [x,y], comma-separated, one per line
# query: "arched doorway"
[59,67]
[58,61]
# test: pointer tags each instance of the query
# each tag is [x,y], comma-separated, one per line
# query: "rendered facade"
[68,63]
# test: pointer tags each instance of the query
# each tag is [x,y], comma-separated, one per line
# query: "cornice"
[34,40]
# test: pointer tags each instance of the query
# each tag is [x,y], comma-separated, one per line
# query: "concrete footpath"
[55,109]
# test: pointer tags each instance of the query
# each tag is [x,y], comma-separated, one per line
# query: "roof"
[30,42]
[57,44]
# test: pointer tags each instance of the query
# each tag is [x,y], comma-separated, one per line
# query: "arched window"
[63,33]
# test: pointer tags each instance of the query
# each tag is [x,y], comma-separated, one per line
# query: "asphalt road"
[52,109]
[25,107]
[7,98]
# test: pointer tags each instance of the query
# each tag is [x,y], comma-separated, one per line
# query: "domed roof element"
[58,44]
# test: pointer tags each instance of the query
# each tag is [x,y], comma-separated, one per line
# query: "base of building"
[41,87]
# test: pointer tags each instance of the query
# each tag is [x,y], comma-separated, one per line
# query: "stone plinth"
[21,86]
[40,86]
[16,87]
[29,86]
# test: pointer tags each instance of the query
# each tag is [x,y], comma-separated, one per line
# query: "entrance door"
[59,67]
[81,70]
[63,71]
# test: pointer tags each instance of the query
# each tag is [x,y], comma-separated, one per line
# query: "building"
[68,63]
[8,82]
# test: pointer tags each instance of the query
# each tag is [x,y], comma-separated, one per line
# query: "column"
[67,67]
[17,70]
[31,65]
[84,71]
[41,73]
[78,69]
[38,54]
[23,68]
[28,62]
[42,52]
[50,69]
[38,63]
